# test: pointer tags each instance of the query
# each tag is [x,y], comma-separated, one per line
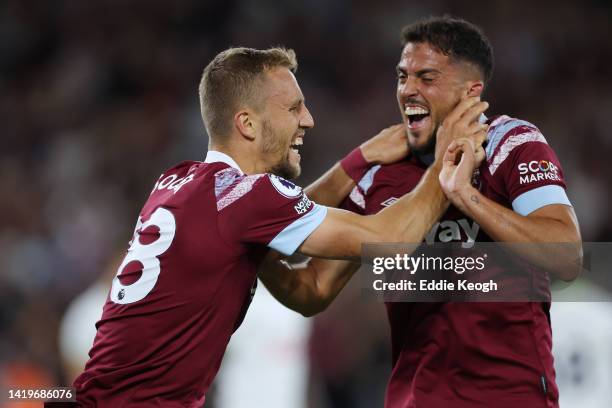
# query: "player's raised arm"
[542,215]
[342,233]
[388,146]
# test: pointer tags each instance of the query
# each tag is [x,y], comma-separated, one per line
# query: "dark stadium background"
[98,97]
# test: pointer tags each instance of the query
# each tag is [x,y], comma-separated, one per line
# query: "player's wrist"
[467,194]
[370,152]
[355,164]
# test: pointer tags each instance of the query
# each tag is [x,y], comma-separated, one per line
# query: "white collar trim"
[214,156]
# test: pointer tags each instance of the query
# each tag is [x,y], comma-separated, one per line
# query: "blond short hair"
[232,80]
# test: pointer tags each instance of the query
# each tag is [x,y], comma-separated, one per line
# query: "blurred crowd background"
[98,97]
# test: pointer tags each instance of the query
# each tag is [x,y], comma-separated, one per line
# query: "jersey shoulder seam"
[505,135]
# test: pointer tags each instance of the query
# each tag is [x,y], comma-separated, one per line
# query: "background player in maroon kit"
[467,354]
[189,273]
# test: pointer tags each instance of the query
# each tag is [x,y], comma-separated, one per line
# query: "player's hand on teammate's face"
[459,162]
[462,122]
[389,146]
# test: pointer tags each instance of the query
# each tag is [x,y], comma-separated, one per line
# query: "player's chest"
[453,226]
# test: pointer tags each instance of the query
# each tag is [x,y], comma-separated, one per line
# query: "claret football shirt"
[473,355]
[187,280]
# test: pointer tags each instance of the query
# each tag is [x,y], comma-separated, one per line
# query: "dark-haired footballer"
[464,355]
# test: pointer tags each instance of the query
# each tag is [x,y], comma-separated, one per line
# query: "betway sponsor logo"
[538,170]
[447,231]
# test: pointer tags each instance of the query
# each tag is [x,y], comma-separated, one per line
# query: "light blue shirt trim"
[539,197]
[290,238]
[368,179]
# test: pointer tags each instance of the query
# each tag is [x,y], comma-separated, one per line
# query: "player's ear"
[475,88]
[245,124]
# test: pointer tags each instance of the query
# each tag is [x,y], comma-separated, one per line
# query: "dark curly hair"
[454,37]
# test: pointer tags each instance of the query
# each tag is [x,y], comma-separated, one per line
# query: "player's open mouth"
[298,141]
[418,116]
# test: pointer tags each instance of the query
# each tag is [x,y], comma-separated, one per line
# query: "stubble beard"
[429,147]
[272,144]
[285,170]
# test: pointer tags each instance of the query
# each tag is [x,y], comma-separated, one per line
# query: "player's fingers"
[479,155]
[478,137]
[465,143]
[461,108]
[452,146]
[468,156]
[473,112]
[392,129]
[450,159]
[476,127]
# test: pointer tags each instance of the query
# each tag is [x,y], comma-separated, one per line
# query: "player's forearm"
[331,277]
[342,233]
[309,288]
[331,188]
[411,217]
[504,225]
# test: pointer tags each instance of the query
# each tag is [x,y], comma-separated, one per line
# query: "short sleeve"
[529,169]
[265,209]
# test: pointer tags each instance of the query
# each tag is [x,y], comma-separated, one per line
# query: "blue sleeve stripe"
[290,238]
[539,197]
[368,179]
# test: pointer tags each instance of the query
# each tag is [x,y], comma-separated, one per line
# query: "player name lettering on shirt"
[172,182]
[447,231]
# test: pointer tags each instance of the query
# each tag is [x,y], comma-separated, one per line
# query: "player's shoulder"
[177,176]
[184,167]
[233,186]
[506,134]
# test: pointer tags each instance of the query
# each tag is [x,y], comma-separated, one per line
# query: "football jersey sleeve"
[529,169]
[265,209]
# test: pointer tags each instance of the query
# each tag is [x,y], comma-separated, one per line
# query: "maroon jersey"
[473,354]
[187,280]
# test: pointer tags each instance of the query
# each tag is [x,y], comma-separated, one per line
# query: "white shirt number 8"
[147,256]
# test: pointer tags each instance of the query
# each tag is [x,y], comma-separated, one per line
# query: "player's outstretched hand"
[460,160]
[388,146]
[462,122]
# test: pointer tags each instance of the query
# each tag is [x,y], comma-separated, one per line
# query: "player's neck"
[247,162]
